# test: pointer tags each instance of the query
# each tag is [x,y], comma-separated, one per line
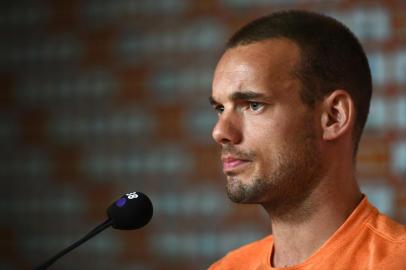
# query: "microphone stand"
[92,233]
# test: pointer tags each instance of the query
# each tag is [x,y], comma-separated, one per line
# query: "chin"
[239,191]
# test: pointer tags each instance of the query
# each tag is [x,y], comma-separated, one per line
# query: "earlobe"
[337,115]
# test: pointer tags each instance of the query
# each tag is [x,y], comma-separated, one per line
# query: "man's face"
[267,134]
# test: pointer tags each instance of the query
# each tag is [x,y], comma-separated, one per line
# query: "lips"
[232,163]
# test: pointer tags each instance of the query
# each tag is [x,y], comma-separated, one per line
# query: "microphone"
[131,211]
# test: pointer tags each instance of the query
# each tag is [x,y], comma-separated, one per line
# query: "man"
[292,93]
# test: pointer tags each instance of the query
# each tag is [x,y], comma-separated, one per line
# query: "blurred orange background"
[100,98]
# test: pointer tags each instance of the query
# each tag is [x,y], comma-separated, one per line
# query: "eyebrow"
[241,95]
[212,101]
[246,95]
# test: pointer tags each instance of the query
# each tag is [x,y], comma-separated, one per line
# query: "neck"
[322,213]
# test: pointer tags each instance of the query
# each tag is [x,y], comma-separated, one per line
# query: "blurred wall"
[99,98]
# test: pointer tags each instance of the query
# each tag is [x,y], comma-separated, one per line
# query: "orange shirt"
[366,240]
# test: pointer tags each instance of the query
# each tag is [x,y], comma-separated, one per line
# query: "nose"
[227,130]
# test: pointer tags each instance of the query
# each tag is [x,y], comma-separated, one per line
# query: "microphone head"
[132,211]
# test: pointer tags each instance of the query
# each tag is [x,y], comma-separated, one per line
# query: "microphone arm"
[92,233]
[132,211]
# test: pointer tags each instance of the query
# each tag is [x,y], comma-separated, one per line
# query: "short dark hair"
[331,57]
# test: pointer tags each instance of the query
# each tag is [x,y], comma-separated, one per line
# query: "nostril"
[225,141]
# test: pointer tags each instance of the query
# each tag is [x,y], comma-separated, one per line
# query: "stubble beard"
[284,189]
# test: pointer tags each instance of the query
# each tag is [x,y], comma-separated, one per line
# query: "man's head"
[279,94]
[331,57]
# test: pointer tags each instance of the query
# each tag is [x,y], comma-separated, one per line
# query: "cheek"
[262,134]
[264,129]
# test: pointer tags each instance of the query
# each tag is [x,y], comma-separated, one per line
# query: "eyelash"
[220,108]
[255,103]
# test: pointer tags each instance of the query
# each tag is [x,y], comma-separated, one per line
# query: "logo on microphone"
[132,195]
[121,202]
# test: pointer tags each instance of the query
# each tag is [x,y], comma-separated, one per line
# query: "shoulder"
[386,243]
[245,255]
[389,230]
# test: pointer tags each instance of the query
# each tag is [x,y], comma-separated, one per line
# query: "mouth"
[231,164]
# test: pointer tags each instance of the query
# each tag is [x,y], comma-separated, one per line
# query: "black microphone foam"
[132,211]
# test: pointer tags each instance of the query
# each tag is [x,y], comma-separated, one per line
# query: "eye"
[255,106]
[219,109]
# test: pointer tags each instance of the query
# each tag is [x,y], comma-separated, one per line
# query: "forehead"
[271,61]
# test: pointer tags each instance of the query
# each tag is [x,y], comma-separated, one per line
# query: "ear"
[337,116]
